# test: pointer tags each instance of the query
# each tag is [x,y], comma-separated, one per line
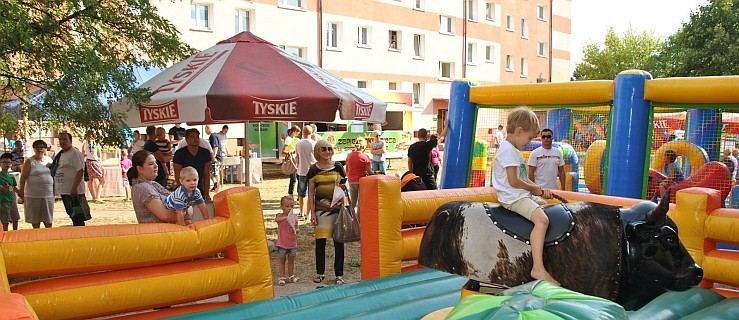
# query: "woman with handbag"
[288,154]
[323,177]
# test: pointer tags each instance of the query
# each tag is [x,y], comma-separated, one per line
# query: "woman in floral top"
[147,194]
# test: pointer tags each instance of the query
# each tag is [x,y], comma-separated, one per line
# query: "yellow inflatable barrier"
[696,156]
[105,270]
[593,168]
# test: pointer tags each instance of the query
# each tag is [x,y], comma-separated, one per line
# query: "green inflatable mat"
[406,296]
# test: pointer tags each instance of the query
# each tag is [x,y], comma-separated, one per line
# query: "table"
[113,182]
[237,164]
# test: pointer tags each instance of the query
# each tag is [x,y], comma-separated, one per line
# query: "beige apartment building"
[412,46]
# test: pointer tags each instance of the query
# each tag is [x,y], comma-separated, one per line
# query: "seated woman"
[147,195]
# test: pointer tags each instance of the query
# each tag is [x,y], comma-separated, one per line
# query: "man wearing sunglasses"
[546,163]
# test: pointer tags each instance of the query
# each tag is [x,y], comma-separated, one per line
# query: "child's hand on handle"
[546,193]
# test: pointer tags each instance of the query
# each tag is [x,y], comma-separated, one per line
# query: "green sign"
[344,141]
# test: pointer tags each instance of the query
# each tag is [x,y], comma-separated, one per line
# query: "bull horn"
[660,211]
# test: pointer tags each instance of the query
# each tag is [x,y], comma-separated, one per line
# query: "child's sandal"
[293,279]
[281,281]
[339,280]
[319,278]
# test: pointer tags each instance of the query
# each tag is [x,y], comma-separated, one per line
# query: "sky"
[591,19]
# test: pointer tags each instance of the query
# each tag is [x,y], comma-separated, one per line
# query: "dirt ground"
[115,211]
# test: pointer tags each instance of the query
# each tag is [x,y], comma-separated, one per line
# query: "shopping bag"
[80,210]
[346,227]
[289,164]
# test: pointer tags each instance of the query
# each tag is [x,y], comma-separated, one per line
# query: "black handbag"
[346,227]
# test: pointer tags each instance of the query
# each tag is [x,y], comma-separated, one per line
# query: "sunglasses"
[546,137]
[324,149]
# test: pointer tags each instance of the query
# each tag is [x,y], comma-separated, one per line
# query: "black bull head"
[611,253]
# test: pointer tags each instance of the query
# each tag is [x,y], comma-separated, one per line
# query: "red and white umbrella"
[246,78]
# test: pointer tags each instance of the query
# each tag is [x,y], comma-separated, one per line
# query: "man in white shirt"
[547,163]
[499,136]
[304,149]
[68,179]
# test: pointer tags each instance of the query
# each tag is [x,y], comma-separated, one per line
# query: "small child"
[8,206]
[672,170]
[515,191]
[125,165]
[287,243]
[179,200]
[164,145]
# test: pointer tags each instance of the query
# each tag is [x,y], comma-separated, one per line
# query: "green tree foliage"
[632,51]
[707,45]
[83,54]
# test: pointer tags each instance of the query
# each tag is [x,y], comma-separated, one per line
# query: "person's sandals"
[339,280]
[319,278]
[281,281]
[293,279]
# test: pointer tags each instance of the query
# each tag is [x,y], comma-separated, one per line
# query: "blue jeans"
[291,187]
[378,166]
[302,186]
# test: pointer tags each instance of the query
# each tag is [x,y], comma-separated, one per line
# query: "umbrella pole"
[247,154]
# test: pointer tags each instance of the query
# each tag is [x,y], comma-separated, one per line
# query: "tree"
[707,45]
[633,51]
[82,53]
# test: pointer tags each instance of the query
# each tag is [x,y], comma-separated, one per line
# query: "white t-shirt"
[304,149]
[70,163]
[508,156]
[137,146]
[500,136]
[547,163]
[90,150]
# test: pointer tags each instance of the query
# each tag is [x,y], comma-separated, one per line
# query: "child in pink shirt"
[287,243]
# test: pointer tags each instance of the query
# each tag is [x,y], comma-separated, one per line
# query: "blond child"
[164,145]
[287,243]
[179,200]
[515,191]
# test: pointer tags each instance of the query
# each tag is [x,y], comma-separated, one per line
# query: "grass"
[272,188]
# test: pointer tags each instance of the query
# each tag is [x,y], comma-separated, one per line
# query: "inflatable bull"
[626,255]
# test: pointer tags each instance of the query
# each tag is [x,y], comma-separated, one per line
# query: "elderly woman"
[147,194]
[323,176]
[36,187]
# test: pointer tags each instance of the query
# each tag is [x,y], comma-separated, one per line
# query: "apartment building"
[414,46]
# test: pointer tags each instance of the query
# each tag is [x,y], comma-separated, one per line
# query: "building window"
[333,35]
[394,40]
[416,93]
[392,86]
[472,10]
[541,13]
[296,51]
[446,24]
[524,67]
[509,23]
[363,37]
[490,54]
[419,4]
[509,63]
[199,16]
[418,46]
[292,3]
[541,49]
[446,70]
[361,83]
[524,28]
[490,11]
[241,20]
[471,53]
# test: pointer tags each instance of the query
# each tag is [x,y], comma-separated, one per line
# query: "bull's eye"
[669,240]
